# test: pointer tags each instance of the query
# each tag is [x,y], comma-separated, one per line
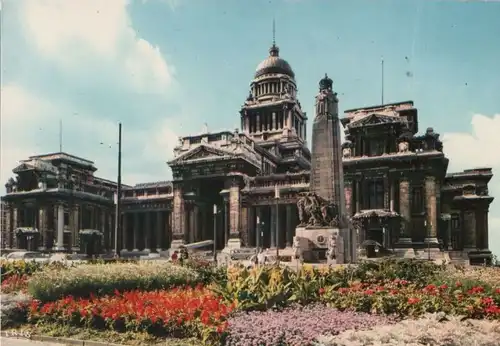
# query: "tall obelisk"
[327,174]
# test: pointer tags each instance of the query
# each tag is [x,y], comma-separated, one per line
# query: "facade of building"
[241,186]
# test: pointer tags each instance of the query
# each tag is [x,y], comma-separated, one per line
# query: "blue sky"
[164,68]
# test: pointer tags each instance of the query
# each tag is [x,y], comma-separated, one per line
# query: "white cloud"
[30,126]
[77,34]
[480,149]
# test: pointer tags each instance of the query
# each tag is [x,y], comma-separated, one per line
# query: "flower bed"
[179,312]
[433,329]
[15,283]
[298,326]
[20,267]
[406,299]
[102,279]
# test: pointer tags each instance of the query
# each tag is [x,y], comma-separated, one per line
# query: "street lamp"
[118,191]
[215,233]
[277,198]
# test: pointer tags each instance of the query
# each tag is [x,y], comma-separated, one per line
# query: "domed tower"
[272,113]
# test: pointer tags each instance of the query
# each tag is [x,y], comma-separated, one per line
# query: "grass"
[128,338]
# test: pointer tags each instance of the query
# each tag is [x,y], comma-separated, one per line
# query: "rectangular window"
[417,205]
[66,219]
[375,194]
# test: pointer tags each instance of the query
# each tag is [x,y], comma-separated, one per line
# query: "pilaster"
[469,229]
[7,232]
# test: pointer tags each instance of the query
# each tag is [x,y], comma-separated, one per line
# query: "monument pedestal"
[314,241]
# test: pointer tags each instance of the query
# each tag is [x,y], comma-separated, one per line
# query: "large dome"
[274,64]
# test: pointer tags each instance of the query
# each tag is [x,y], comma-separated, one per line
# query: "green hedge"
[102,279]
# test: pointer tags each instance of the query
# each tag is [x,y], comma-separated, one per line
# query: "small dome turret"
[326,83]
[274,64]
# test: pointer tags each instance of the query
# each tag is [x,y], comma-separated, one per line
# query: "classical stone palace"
[246,183]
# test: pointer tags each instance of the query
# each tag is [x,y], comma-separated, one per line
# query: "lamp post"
[276,198]
[215,233]
[118,191]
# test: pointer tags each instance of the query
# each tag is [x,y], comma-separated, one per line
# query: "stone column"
[258,227]
[103,229]
[60,227]
[168,229]
[178,217]
[289,225]
[159,231]
[244,225]
[124,230]
[136,232]
[348,197]
[147,231]
[42,227]
[431,211]
[234,215]
[192,223]
[272,226]
[251,227]
[404,212]
[75,226]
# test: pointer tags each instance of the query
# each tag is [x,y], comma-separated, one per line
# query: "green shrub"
[420,272]
[208,272]
[100,279]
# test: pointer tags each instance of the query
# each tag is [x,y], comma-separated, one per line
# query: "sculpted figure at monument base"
[315,211]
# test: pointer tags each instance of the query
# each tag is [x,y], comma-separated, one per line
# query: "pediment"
[375,119]
[201,153]
[23,167]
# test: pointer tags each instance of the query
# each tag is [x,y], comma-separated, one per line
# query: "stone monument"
[323,221]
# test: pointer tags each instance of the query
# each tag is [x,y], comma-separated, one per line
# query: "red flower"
[321,291]
[458,284]
[412,301]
